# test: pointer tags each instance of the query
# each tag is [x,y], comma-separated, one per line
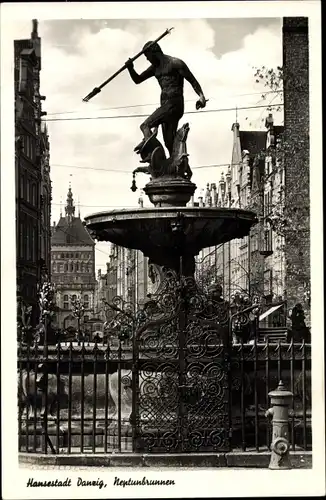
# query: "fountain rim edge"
[154,212]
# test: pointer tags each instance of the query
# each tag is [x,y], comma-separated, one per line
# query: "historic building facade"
[128,275]
[269,173]
[253,265]
[73,267]
[32,171]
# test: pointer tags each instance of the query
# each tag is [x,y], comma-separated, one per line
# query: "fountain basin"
[151,229]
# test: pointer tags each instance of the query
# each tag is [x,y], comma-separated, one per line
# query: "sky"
[78,55]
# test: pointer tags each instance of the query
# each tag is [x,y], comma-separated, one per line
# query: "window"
[268,282]
[268,166]
[54,267]
[74,297]
[268,240]
[28,241]
[65,302]
[77,266]
[31,192]
[22,186]
[21,240]
[33,197]
[33,243]
[86,301]
[77,255]
[66,267]
[28,146]
[27,190]
[267,203]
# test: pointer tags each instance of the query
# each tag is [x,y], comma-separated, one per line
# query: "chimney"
[34,33]
[36,42]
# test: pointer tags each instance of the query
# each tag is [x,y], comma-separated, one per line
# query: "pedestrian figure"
[299,330]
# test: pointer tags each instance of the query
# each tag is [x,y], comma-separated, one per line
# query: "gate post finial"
[279,412]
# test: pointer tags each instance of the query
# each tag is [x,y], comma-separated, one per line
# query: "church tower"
[73,267]
[70,207]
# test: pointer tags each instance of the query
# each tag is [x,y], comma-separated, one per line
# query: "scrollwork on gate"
[181,335]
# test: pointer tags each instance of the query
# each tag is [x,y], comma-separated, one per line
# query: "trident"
[97,90]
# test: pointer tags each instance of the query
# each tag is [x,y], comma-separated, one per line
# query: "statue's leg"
[174,112]
[169,130]
[153,121]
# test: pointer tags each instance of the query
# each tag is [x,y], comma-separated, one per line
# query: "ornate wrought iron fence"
[255,371]
[169,379]
[80,398]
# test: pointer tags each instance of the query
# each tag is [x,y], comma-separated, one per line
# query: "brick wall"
[296,160]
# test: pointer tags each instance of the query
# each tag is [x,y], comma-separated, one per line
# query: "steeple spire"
[70,207]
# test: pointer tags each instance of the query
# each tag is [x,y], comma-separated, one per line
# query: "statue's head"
[152,52]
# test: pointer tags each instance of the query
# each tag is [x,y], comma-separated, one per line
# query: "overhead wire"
[213,165]
[142,115]
[92,168]
[157,104]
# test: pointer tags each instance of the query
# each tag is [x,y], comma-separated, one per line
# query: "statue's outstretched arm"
[136,78]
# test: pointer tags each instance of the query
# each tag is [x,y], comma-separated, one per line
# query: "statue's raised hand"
[129,64]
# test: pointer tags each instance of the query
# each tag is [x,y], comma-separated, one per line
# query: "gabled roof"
[71,233]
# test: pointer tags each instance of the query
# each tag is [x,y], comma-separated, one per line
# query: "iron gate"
[181,371]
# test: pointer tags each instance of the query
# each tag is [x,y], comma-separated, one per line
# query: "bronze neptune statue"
[170,73]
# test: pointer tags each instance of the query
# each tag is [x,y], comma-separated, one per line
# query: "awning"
[269,311]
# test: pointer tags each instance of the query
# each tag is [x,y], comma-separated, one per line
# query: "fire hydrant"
[280,401]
